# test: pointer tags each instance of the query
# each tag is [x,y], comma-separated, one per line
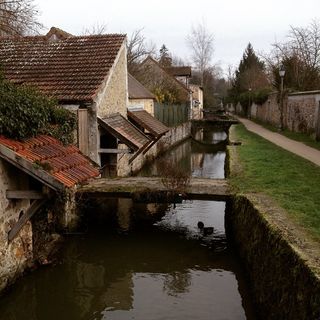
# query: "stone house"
[37,181]
[158,79]
[139,96]
[181,73]
[197,101]
[87,75]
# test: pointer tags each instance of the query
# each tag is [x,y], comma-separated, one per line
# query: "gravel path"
[293,146]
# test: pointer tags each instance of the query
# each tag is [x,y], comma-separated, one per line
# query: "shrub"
[25,113]
[174,178]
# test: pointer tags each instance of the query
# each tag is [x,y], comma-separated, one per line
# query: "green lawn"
[294,183]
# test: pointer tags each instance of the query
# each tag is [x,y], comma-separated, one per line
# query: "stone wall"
[280,260]
[170,139]
[113,95]
[14,256]
[302,112]
[268,112]
[284,285]
[111,98]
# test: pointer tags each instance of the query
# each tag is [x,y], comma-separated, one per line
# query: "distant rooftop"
[137,90]
[183,71]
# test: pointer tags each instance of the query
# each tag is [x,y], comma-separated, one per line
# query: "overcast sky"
[233,23]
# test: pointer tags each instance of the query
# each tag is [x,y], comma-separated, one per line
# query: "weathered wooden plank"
[35,206]
[114,151]
[29,168]
[24,194]
[83,131]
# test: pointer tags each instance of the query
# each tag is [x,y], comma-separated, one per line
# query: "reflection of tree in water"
[176,283]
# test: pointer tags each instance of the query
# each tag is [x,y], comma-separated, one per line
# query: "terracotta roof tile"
[65,163]
[71,69]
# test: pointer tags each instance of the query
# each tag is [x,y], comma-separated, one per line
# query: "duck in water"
[205,230]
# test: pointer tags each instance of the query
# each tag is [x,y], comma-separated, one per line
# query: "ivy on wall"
[25,113]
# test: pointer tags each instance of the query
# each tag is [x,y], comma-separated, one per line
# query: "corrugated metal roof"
[148,122]
[70,69]
[137,90]
[64,163]
[125,131]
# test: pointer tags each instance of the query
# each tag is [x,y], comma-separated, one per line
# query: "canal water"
[202,157]
[142,261]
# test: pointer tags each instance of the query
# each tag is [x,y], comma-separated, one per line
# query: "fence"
[171,115]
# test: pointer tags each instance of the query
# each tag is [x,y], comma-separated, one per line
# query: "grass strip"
[297,136]
[293,182]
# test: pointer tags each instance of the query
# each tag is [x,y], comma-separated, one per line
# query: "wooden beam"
[35,206]
[114,150]
[24,194]
[29,168]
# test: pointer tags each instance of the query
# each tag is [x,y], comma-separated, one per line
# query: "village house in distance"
[94,86]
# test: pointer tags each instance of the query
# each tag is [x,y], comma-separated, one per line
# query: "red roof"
[64,163]
[71,69]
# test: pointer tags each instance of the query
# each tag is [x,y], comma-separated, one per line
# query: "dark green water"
[138,261]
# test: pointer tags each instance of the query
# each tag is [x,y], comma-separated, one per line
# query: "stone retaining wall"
[283,284]
[173,137]
[280,260]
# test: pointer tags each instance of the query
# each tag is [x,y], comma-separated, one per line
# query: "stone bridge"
[151,189]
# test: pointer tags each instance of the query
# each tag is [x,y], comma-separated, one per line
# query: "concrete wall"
[14,256]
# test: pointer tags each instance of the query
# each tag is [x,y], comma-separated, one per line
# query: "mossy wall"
[283,285]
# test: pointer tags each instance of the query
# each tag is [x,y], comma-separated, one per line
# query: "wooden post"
[35,206]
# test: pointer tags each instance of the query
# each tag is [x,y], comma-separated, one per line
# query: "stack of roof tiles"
[71,69]
[64,163]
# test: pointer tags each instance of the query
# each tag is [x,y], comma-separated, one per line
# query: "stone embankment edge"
[282,266]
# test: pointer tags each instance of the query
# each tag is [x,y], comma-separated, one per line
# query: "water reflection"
[143,261]
[203,157]
[138,261]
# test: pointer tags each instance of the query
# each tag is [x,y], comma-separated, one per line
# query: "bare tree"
[97,28]
[200,41]
[18,17]
[137,50]
[300,56]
